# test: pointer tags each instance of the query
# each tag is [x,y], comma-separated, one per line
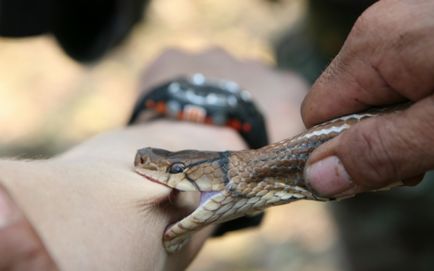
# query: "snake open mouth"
[184,198]
[194,206]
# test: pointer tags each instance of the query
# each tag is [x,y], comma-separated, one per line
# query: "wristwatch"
[211,102]
[214,102]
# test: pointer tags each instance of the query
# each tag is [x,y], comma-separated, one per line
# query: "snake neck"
[284,161]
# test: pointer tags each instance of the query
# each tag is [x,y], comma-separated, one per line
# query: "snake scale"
[238,183]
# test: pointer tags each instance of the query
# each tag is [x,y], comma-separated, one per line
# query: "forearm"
[91,191]
[121,145]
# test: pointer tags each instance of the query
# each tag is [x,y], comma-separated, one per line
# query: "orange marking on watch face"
[161,107]
[194,113]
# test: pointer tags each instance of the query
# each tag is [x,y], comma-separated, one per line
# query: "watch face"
[197,99]
[201,92]
[218,102]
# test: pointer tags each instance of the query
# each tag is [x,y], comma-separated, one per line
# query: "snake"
[238,183]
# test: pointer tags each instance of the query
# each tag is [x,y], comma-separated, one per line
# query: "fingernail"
[328,178]
[6,209]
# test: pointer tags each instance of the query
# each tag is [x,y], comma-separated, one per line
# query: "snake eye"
[176,168]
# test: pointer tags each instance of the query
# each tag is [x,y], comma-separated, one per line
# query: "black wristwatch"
[213,102]
[197,99]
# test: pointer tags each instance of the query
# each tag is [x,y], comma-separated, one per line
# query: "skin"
[20,246]
[93,212]
[388,58]
[89,208]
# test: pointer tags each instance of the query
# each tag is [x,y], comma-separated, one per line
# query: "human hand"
[93,212]
[20,247]
[388,58]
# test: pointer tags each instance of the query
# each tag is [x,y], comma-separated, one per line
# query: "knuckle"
[368,20]
[380,20]
[362,24]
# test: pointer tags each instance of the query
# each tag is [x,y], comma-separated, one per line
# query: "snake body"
[237,183]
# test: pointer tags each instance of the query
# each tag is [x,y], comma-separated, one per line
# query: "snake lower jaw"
[213,207]
[191,216]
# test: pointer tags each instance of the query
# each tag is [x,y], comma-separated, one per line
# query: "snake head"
[186,170]
[190,170]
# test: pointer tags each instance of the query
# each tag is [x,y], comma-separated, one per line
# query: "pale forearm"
[88,205]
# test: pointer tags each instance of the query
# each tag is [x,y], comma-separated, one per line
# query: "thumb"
[375,153]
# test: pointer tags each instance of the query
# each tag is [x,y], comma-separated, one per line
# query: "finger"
[375,153]
[384,60]
[20,246]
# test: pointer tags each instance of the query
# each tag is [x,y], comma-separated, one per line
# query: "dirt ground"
[48,102]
